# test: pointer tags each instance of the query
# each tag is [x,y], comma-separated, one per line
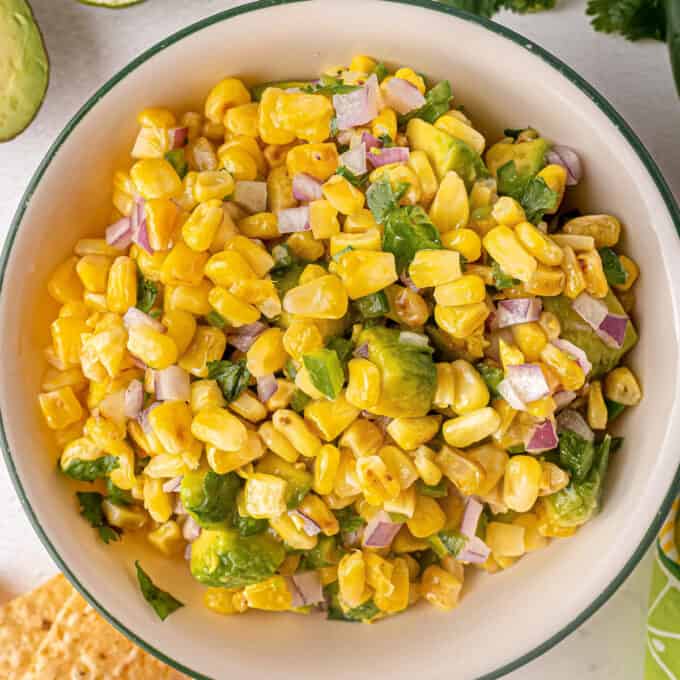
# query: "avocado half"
[24,68]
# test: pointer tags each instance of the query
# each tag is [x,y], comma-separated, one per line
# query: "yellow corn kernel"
[181,327]
[194,122]
[66,338]
[434,268]
[227,94]
[326,466]
[538,244]
[410,433]
[302,337]
[213,185]
[161,217]
[304,382]
[129,518]
[621,385]
[412,77]
[550,324]
[468,475]
[605,229]
[183,266]
[471,427]
[385,123]
[255,255]
[553,479]
[314,507]
[282,397]
[593,273]
[370,239]
[396,598]
[467,290]
[331,418]
[167,539]
[238,163]
[542,408]
[398,175]
[470,390]
[280,190]
[427,519]
[427,469]
[156,178]
[124,475]
[362,64]
[521,482]
[208,344]
[510,355]
[504,247]
[294,428]
[399,465]
[632,273]
[532,538]
[292,534]
[158,117]
[352,579]
[555,176]
[277,443]
[406,306]
[545,281]
[77,310]
[359,222]
[318,160]
[342,195]
[249,407]
[464,241]
[363,387]
[156,501]
[505,540]
[93,271]
[123,192]
[71,377]
[223,462]
[493,460]
[450,208]
[242,119]
[235,311]
[305,246]
[262,293]
[225,601]
[121,291]
[575,282]
[307,115]
[440,588]
[508,212]
[60,407]
[420,165]
[362,438]
[461,130]
[155,349]
[95,246]
[199,230]
[262,225]
[570,373]
[322,298]
[530,338]
[150,265]
[219,428]
[461,322]
[275,154]
[192,299]
[206,394]
[267,354]
[151,142]
[364,272]
[323,219]
[171,423]
[226,268]
[597,409]
[251,146]
[272,594]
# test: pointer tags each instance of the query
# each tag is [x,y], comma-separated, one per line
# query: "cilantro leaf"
[373,306]
[439,490]
[576,454]
[633,19]
[329,85]
[299,400]
[613,269]
[342,347]
[363,612]
[380,71]
[382,198]
[177,159]
[325,371]
[492,375]
[502,280]
[91,509]
[117,496]
[408,230]
[89,470]
[147,292]
[437,101]
[614,409]
[356,180]
[535,196]
[386,141]
[162,602]
[215,319]
[232,377]
[348,519]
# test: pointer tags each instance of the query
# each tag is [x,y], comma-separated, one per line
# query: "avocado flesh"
[529,157]
[24,68]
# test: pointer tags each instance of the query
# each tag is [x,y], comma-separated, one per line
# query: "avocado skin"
[24,68]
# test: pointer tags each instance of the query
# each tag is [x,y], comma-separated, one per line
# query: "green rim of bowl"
[519,40]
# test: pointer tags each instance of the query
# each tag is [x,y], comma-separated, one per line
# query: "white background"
[88,45]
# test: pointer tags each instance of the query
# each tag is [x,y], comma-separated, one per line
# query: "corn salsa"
[334,349]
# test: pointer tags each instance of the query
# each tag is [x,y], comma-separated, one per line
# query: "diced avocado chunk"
[299,481]
[24,67]
[445,152]
[576,330]
[529,157]
[257,90]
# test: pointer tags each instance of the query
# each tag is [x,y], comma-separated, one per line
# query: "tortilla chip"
[24,623]
[82,645]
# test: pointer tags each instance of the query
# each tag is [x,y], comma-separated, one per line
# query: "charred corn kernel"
[156,501]
[427,519]
[410,433]
[226,268]
[302,337]
[155,349]
[219,428]
[181,327]
[605,229]
[505,540]
[314,507]
[323,219]
[271,594]
[440,588]
[346,483]
[597,410]
[521,482]
[362,438]
[206,394]
[93,271]
[66,339]
[420,165]
[366,272]
[318,160]
[305,246]
[530,338]
[326,466]
[370,239]
[363,387]
[307,115]
[462,321]
[292,534]
[227,94]
[238,163]
[322,298]
[121,291]
[434,268]
[199,230]
[471,427]
[444,396]
[352,579]
[621,385]
[223,462]
[249,407]
[71,377]
[192,299]
[359,222]
[60,407]
[469,289]
[464,241]
[156,178]
[267,354]
[344,197]
[508,212]
[593,273]
[406,306]
[235,311]
[571,374]
[575,282]
[362,64]
[468,475]
[171,423]
[280,190]
[538,244]
[242,119]
[545,281]
[213,185]
[450,208]
[542,408]
[504,247]
[294,428]
[427,469]
[256,256]
[399,465]
[470,390]
[461,130]
[225,601]
[553,479]
[510,355]
[331,418]
[385,123]
[183,266]
[208,344]
[632,273]
[167,539]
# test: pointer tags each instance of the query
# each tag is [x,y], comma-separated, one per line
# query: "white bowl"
[503,80]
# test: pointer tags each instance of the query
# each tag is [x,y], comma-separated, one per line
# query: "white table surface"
[87,45]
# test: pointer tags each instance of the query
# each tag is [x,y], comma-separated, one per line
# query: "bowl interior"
[501,83]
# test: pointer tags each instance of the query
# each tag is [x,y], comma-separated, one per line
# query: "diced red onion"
[610,328]
[179,508]
[140,235]
[308,584]
[408,282]
[518,310]
[136,317]
[380,531]
[306,187]
[370,141]
[574,421]
[388,155]
[542,437]
[361,351]
[569,160]
[475,551]
[411,338]
[172,384]
[344,137]
[292,220]
[528,382]
[143,417]
[113,406]
[177,137]
[244,336]
[402,96]
[134,398]
[509,393]
[575,352]
[251,195]
[119,234]
[355,159]
[266,387]
[357,107]
[563,398]
[309,526]
[471,515]
[191,529]
[173,484]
